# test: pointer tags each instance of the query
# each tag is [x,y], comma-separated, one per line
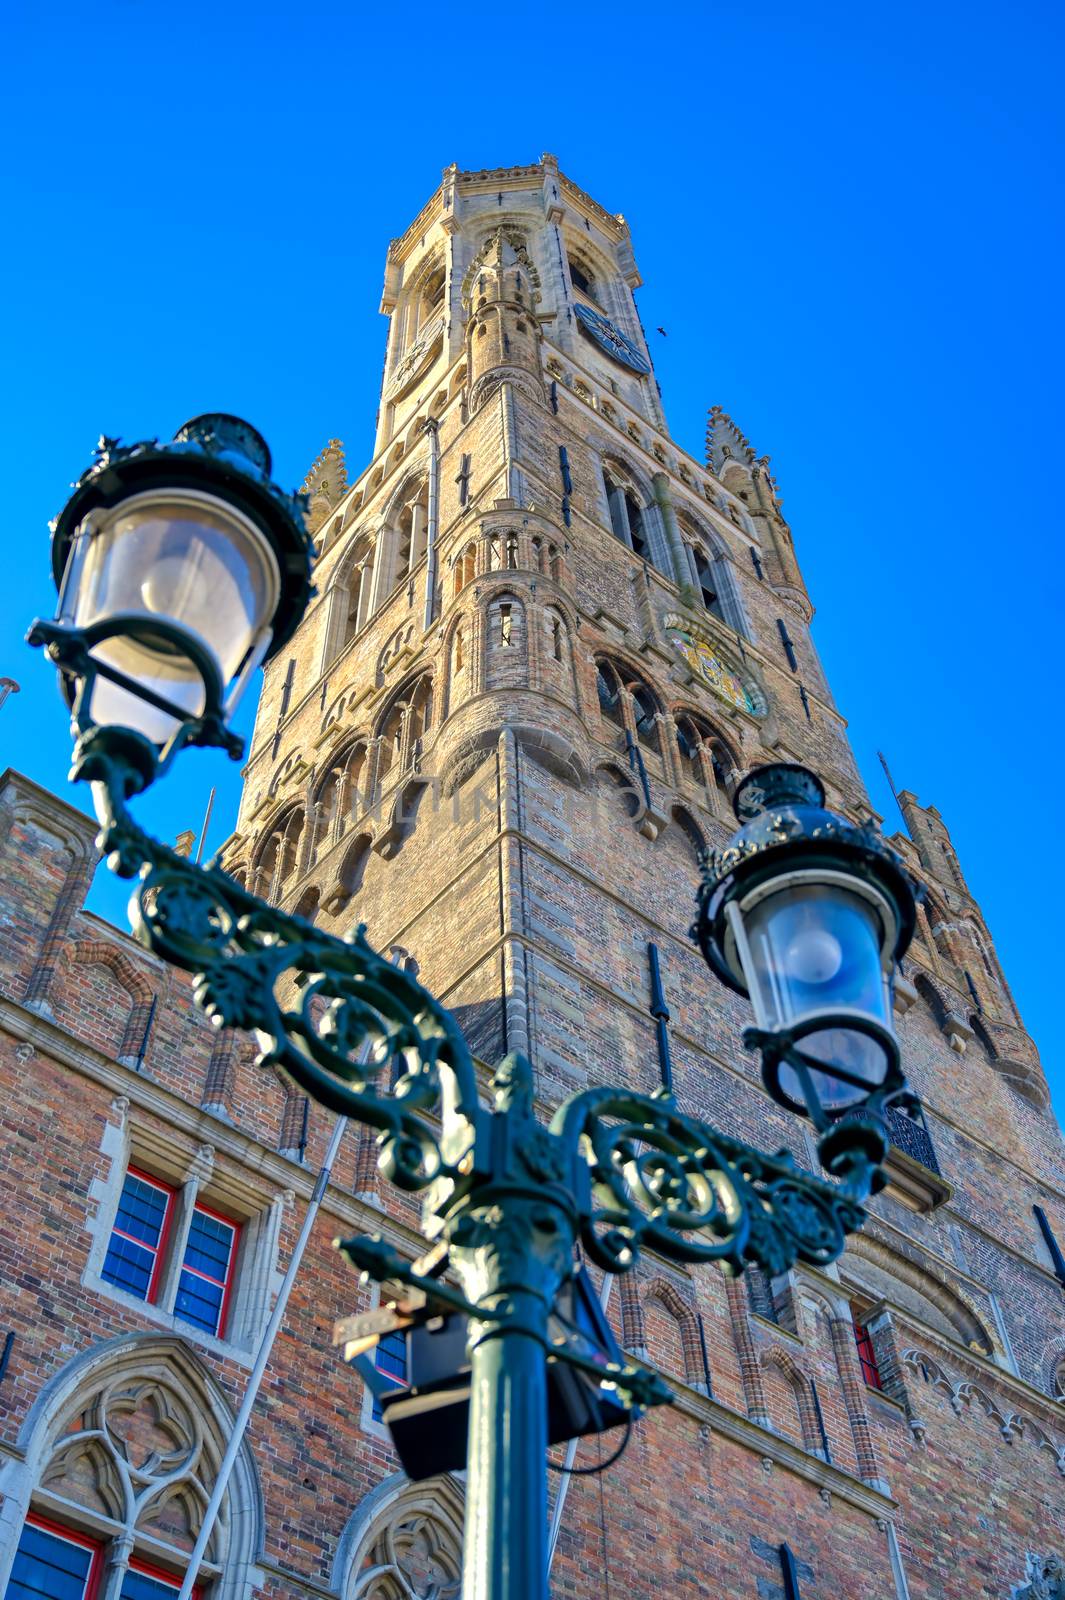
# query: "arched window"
[421,708]
[696,742]
[340,797]
[403,1543]
[129,1446]
[645,716]
[465,568]
[582,277]
[457,658]
[356,580]
[404,725]
[432,296]
[608,687]
[278,855]
[712,573]
[627,521]
[408,519]
[611,678]
[707,584]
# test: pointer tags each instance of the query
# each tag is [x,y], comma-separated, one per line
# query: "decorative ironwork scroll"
[332,1013]
[673,1184]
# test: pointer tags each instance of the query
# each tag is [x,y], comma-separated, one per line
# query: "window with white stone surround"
[192,1248]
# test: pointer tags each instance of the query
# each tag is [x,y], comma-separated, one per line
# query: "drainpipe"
[432,518]
[266,1345]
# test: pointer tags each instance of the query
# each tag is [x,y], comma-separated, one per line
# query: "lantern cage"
[181,567]
[809,914]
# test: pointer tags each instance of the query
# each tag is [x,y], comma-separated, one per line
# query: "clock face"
[610,339]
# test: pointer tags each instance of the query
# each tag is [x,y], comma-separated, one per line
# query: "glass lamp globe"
[169,569]
[808,914]
[181,567]
[814,951]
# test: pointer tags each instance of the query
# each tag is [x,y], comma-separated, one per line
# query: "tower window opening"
[608,688]
[537,548]
[707,585]
[512,550]
[688,741]
[403,543]
[867,1356]
[636,529]
[458,650]
[582,280]
[645,714]
[505,621]
[465,568]
[556,638]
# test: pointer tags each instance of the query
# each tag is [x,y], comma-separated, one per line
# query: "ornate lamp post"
[180,568]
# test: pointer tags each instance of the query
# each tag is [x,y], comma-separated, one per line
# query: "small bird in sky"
[663,332]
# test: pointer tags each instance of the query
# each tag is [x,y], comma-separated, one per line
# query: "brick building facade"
[545,642]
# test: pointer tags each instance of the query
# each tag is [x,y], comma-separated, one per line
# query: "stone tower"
[545,643]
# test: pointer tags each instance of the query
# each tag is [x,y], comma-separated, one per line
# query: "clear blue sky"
[848,220]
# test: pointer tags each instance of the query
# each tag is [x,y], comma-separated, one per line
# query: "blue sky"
[848,220]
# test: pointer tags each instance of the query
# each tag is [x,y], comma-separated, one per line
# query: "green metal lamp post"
[181,567]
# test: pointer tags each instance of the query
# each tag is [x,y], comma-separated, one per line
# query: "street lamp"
[180,567]
[809,914]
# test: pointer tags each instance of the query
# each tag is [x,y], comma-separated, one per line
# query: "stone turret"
[963,943]
[732,457]
[500,295]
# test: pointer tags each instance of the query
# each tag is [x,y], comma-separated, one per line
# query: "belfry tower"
[545,644]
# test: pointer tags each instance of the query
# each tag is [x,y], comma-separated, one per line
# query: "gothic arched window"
[405,539]
[355,580]
[628,518]
[645,718]
[465,568]
[130,1447]
[403,725]
[608,688]
[699,746]
[707,584]
[278,855]
[340,798]
[712,573]
[403,1543]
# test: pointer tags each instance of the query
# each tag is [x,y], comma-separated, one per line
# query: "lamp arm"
[332,1013]
[677,1186]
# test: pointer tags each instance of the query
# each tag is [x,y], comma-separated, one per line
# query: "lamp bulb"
[814,957]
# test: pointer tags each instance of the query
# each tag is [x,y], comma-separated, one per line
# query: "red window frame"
[95,1573]
[160,1249]
[226,1283]
[867,1355]
[149,1571]
[58,1531]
